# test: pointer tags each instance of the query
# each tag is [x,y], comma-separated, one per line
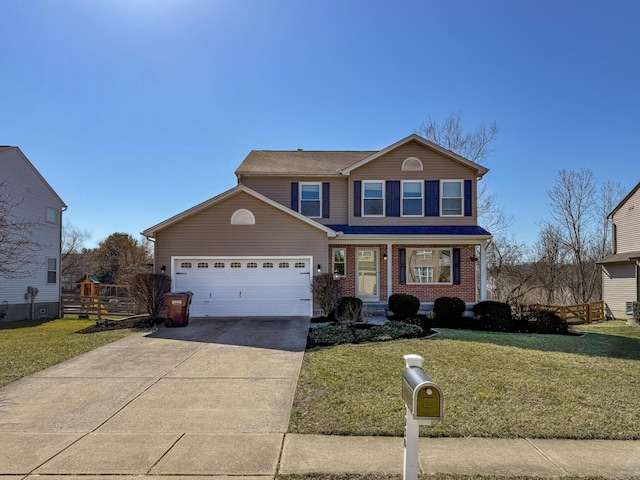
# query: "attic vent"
[412,164]
[243,217]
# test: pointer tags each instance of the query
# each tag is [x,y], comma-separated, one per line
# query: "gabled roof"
[624,200]
[298,162]
[35,171]
[329,163]
[480,170]
[151,232]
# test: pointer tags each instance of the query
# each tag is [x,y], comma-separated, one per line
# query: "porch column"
[483,272]
[389,270]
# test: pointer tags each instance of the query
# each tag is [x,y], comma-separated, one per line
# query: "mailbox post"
[423,402]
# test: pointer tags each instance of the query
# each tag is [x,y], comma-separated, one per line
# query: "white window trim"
[333,259]
[408,266]
[442,197]
[421,182]
[319,185]
[362,209]
[243,216]
[56,271]
[407,167]
[48,209]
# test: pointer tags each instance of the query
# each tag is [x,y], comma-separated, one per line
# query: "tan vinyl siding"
[627,221]
[435,167]
[210,233]
[278,189]
[619,286]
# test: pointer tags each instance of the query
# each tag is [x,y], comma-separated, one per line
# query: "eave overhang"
[151,232]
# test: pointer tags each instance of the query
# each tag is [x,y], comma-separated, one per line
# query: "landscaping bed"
[136,323]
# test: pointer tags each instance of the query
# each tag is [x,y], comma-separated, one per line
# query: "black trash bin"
[177,308]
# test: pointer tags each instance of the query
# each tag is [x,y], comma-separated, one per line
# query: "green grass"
[27,347]
[494,385]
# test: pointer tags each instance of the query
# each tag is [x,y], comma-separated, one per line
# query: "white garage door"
[245,286]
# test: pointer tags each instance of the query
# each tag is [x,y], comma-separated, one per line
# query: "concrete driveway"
[213,398]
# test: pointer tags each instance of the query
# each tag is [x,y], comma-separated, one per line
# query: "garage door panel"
[246,287]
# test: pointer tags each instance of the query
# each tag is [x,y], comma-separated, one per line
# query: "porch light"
[319,268]
[163,269]
[384,257]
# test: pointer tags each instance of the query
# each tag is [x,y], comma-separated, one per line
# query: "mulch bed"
[137,323]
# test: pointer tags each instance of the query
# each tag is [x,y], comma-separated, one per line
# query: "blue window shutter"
[392,198]
[456,266]
[467,198]
[294,196]
[402,266]
[357,198]
[431,198]
[326,187]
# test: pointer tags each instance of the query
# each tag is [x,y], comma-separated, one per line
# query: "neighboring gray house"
[621,269]
[33,290]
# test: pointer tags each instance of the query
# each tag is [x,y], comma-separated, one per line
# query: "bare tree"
[120,257]
[551,260]
[74,255]
[18,239]
[578,210]
[473,145]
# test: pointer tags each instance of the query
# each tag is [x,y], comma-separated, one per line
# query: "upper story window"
[310,199]
[373,198]
[51,215]
[451,201]
[412,200]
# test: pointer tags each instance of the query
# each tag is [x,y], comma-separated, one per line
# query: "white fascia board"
[150,232]
[415,239]
[434,146]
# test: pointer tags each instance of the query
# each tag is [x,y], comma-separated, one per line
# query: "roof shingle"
[299,162]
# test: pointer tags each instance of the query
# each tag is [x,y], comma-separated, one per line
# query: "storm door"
[367,278]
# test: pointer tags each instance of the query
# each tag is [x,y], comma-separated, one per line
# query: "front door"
[367,275]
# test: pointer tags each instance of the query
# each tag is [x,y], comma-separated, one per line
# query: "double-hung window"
[52,270]
[310,200]
[339,262]
[412,202]
[451,198]
[373,198]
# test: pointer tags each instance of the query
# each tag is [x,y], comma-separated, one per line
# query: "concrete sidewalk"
[214,399]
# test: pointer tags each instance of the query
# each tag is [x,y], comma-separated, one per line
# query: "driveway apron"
[213,398]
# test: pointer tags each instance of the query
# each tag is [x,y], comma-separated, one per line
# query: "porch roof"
[439,230]
[620,257]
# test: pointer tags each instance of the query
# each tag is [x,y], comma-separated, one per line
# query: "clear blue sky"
[135,110]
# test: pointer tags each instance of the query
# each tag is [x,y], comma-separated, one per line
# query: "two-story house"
[621,269]
[30,240]
[399,220]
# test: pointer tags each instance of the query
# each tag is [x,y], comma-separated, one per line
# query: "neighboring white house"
[34,292]
[621,269]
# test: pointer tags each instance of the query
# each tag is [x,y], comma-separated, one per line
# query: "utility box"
[421,395]
[177,308]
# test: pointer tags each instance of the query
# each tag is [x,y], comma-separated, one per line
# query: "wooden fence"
[98,306]
[576,314]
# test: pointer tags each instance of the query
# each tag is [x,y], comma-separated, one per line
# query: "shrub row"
[488,315]
[339,334]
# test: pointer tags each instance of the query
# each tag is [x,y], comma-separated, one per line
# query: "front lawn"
[494,385]
[30,346]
